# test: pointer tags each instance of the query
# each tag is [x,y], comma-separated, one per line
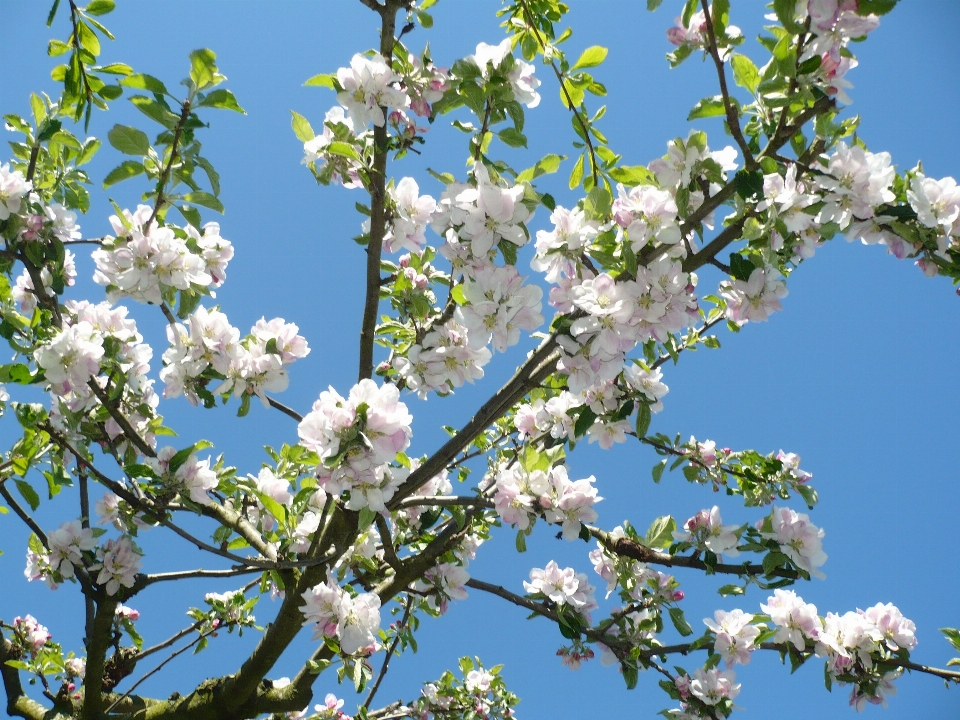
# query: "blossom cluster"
[520,496]
[118,562]
[63,554]
[207,347]
[353,620]
[798,538]
[148,263]
[190,476]
[706,532]
[357,438]
[29,633]
[99,344]
[563,587]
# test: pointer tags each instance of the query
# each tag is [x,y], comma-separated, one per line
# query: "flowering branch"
[165,173]
[185,574]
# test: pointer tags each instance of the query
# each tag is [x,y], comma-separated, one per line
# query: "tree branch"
[378,201]
[733,118]
[18,704]
[186,574]
[393,648]
[97,646]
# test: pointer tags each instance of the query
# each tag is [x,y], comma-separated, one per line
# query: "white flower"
[735,635]
[796,620]
[799,539]
[119,563]
[756,299]
[13,188]
[367,85]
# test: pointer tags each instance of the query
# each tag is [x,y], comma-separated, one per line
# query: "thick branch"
[186,574]
[18,704]
[98,643]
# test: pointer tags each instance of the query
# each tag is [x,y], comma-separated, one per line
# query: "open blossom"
[756,299]
[445,359]
[563,587]
[367,85]
[442,583]
[215,251]
[786,200]
[144,260]
[31,634]
[647,214]
[413,213]
[193,477]
[66,545]
[799,539]
[897,631]
[13,188]
[342,169]
[498,306]
[796,621]
[853,183]
[713,686]
[118,563]
[71,357]
[791,464]
[707,531]
[735,635]
[559,250]
[521,495]
[936,202]
[648,383]
[359,622]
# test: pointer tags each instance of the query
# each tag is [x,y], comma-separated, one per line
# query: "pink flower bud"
[678,595]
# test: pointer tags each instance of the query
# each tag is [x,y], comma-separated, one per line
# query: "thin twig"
[389,552]
[393,647]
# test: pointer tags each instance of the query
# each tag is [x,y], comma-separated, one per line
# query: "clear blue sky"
[857,375]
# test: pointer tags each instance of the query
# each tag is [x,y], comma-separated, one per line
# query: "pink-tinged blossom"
[118,564]
[442,583]
[75,667]
[647,214]
[520,496]
[498,306]
[706,531]
[833,24]
[321,608]
[791,465]
[145,260]
[24,292]
[193,477]
[126,613]
[853,183]
[66,545]
[897,631]
[425,84]
[215,251]
[207,340]
[444,360]
[786,200]
[647,383]
[714,686]
[71,357]
[936,202]
[412,214]
[796,621]
[735,635]
[799,539]
[359,623]
[559,250]
[13,188]
[562,586]
[32,635]
[756,299]
[367,85]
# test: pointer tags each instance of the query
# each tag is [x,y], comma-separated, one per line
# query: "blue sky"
[857,374]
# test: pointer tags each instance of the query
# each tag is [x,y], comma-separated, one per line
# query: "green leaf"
[203,68]
[660,532]
[88,39]
[115,69]
[425,19]
[212,175]
[100,7]
[89,150]
[786,11]
[512,137]
[631,175]
[953,637]
[521,541]
[876,7]
[643,419]
[653,4]
[301,127]
[740,267]
[50,16]
[145,82]
[585,421]
[273,507]
[731,590]
[745,73]
[680,622]
[155,111]
[328,80]
[591,57]
[545,166]
[204,199]
[28,493]
[124,171]
[223,99]
[128,140]
[708,107]
[658,470]
[576,175]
